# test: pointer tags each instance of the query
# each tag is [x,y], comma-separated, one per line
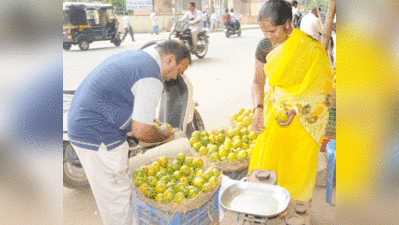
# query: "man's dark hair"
[176,48]
[276,11]
[314,10]
[126,13]
[231,10]
[192,3]
[294,2]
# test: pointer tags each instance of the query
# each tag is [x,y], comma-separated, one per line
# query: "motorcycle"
[176,107]
[229,29]
[182,32]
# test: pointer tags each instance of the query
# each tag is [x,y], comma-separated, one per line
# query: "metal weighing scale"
[261,201]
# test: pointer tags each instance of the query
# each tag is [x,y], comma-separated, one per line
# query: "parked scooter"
[176,108]
[181,31]
[229,29]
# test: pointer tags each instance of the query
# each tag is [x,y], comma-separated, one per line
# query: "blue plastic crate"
[237,175]
[148,215]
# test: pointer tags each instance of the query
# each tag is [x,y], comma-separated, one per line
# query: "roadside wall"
[249,20]
[143,24]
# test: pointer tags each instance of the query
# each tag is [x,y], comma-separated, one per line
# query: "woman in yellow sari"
[300,85]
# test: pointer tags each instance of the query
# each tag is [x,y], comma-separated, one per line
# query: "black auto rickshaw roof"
[83,5]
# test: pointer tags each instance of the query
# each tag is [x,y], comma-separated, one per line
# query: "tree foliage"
[120,6]
[310,4]
[225,4]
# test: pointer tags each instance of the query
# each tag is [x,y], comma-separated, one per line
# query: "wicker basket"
[223,166]
[186,205]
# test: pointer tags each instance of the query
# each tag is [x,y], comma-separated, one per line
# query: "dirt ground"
[321,212]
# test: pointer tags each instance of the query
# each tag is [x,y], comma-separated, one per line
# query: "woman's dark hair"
[276,11]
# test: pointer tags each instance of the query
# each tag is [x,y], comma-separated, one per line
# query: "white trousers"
[194,32]
[111,182]
[213,24]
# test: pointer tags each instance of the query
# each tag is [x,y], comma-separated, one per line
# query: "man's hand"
[166,130]
[257,121]
[158,122]
[291,113]
[149,133]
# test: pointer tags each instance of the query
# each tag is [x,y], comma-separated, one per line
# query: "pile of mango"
[231,145]
[183,178]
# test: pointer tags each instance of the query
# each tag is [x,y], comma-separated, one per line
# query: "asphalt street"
[222,85]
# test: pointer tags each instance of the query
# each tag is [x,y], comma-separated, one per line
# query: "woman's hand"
[291,113]
[257,121]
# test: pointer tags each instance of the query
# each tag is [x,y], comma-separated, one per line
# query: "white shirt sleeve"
[198,15]
[146,92]
[316,28]
[185,17]
[126,20]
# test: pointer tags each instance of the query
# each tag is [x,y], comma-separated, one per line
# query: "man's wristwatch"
[258,106]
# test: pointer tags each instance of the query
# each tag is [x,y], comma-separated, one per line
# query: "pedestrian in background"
[311,25]
[154,18]
[128,27]
[205,19]
[213,21]
[296,15]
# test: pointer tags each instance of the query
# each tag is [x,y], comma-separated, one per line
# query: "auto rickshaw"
[85,23]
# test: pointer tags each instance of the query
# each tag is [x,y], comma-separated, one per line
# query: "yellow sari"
[300,77]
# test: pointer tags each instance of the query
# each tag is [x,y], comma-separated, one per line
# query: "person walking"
[121,95]
[154,19]
[128,27]
[204,19]
[213,21]
[291,117]
[296,15]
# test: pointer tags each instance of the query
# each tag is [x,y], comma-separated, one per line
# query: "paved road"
[222,85]
[222,80]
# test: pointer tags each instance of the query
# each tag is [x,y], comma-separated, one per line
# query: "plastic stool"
[331,159]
